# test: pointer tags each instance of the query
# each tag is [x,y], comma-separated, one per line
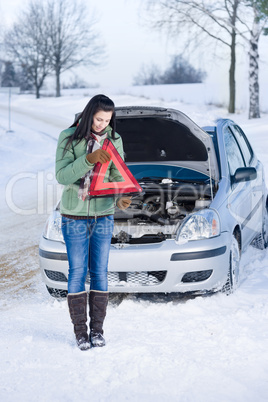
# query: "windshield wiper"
[149,178]
[172,180]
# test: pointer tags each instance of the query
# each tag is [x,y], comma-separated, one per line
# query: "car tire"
[57,293]
[261,241]
[233,272]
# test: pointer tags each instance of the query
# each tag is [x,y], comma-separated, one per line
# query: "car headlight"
[203,224]
[52,229]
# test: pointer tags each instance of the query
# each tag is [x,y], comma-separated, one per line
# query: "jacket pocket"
[69,198]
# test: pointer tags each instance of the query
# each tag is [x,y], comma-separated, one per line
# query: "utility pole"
[9,91]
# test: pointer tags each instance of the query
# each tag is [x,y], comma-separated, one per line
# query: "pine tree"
[9,75]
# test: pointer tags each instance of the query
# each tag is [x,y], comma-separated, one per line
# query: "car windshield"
[160,172]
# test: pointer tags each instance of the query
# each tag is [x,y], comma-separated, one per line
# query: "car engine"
[157,214]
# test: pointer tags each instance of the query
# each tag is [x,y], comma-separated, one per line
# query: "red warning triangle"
[128,185]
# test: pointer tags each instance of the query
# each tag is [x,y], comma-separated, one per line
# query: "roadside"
[28,192]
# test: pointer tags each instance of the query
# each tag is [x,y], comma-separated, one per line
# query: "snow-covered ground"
[158,348]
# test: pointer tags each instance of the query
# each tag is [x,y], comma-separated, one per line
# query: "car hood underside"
[165,136]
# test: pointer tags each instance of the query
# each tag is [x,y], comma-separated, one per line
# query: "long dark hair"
[83,129]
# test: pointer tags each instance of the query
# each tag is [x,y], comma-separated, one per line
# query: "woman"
[87,225]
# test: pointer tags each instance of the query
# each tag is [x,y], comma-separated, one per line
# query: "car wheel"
[57,293]
[261,241]
[233,272]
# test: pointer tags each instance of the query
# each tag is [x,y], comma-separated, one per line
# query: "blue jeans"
[88,245]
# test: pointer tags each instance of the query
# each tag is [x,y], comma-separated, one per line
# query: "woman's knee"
[99,282]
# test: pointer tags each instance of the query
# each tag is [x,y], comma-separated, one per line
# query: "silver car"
[204,201]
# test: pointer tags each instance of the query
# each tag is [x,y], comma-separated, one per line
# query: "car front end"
[156,258]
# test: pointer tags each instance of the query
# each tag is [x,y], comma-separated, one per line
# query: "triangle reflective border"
[98,187]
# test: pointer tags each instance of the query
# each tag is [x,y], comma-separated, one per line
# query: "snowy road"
[179,349]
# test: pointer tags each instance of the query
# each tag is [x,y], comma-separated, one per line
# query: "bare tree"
[217,20]
[27,43]
[181,71]
[224,21]
[72,37]
[255,24]
[53,36]
[148,75]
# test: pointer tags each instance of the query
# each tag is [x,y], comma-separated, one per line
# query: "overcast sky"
[129,44]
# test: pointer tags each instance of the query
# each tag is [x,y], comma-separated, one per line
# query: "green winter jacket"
[72,166]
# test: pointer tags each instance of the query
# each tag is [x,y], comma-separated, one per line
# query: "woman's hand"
[98,156]
[124,202]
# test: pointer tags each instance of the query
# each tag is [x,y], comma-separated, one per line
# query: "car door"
[240,197]
[254,221]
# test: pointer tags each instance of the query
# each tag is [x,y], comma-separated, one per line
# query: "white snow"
[158,348]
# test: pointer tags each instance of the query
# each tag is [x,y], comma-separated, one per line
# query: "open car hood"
[157,135]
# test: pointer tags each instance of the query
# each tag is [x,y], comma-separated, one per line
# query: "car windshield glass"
[160,172]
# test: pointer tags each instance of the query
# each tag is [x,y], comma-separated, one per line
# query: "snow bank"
[208,93]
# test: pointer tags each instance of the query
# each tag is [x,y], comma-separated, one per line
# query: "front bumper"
[196,266]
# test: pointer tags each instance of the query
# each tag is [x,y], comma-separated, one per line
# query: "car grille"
[132,279]
[196,276]
[145,239]
[56,276]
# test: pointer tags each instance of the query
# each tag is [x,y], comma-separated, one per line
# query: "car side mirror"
[244,174]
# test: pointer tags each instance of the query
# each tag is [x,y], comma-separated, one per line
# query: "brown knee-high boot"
[77,303]
[97,311]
